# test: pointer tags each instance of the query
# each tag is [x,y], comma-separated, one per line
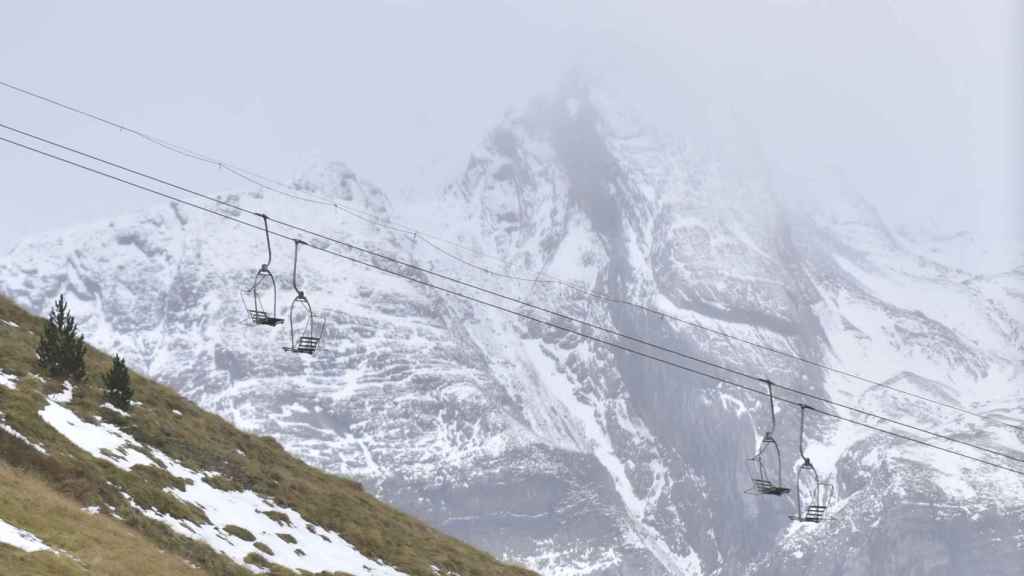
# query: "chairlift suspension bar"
[295,267]
[803,408]
[308,340]
[264,278]
[266,230]
[815,506]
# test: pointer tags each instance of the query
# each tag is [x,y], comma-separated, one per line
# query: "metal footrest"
[766,487]
[260,317]
[815,514]
[305,345]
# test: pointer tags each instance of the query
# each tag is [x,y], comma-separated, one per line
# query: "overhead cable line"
[278,187]
[247,175]
[518,301]
[518,313]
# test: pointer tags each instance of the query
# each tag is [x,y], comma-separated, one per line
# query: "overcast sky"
[918,105]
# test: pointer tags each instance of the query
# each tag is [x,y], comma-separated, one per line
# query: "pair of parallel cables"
[416,274]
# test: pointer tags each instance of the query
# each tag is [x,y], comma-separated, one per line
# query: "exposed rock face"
[544,447]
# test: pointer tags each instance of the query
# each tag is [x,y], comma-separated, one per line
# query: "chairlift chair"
[813,497]
[766,465]
[309,336]
[264,279]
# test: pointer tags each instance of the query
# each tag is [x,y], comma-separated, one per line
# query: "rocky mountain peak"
[335,182]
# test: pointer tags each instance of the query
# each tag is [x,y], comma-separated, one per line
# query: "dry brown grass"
[94,543]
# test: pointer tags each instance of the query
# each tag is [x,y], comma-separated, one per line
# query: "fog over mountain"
[915,106]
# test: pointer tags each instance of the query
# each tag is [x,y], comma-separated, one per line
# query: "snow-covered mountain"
[546,448]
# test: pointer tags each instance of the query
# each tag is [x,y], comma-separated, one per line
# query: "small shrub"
[239,532]
[279,517]
[61,348]
[256,560]
[118,385]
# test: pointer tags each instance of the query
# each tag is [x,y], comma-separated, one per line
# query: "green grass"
[201,441]
[239,532]
[279,517]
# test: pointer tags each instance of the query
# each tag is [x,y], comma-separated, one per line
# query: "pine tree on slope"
[61,348]
[118,385]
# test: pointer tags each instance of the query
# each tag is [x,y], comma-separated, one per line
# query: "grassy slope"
[201,441]
[97,544]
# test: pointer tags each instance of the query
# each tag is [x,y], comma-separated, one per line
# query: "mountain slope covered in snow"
[552,450]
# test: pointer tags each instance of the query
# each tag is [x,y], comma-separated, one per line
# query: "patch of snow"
[293,408]
[7,380]
[114,409]
[14,536]
[322,549]
[64,396]
[92,510]
[9,323]
[176,412]
[103,441]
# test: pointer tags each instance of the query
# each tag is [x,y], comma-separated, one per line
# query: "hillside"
[171,489]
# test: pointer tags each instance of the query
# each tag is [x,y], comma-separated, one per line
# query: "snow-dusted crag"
[549,449]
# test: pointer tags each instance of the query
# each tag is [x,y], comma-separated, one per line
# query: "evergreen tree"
[118,385]
[61,348]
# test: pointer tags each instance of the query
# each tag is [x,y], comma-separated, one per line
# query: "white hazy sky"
[918,105]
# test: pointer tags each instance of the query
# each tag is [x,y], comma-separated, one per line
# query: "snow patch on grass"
[22,539]
[103,441]
[321,549]
[114,409]
[62,397]
[7,380]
